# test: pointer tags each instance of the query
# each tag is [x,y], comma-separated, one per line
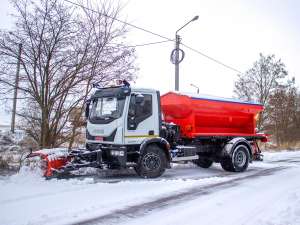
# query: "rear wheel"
[227,165]
[239,160]
[152,163]
[202,162]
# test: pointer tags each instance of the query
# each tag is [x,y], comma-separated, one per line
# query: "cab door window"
[138,112]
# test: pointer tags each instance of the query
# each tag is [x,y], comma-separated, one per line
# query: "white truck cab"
[123,116]
[124,126]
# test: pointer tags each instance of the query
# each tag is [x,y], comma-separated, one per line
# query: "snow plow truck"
[138,128]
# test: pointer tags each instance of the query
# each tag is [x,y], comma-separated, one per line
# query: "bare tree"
[65,50]
[259,82]
[282,115]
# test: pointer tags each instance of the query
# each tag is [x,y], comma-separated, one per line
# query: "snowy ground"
[267,194]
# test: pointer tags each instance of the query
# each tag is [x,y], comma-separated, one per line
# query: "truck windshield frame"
[106,109]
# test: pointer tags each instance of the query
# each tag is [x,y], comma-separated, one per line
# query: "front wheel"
[152,162]
[239,160]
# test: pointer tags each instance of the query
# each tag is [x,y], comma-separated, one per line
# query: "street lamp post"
[13,117]
[176,52]
[177,43]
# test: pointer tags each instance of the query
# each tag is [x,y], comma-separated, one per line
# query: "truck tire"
[152,162]
[203,163]
[227,165]
[239,160]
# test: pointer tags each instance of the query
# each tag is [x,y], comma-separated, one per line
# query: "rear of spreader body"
[206,116]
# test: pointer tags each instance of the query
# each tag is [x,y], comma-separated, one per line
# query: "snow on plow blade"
[47,160]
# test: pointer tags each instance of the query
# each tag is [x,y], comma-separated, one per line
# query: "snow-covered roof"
[133,89]
[149,90]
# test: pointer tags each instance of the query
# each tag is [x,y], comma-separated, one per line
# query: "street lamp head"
[193,85]
[195,18]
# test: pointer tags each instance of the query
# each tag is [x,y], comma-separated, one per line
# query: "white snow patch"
[54,153]
[27,198]
[281,155]
[66,201]
[271,200]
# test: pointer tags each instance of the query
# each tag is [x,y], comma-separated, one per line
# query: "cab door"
[142,120]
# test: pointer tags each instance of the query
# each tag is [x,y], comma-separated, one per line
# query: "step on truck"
[138,128]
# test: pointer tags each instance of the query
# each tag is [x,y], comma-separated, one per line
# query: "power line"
[120,21]
[150,43]
[155,34]
[212,59]
[139,45]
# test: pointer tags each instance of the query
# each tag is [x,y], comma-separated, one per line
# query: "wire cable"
[150,43]
[158,35]
[212,59]
[139,45]
[120,21]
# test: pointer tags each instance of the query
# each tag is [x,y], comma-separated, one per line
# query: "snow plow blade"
[47,160]
[57,162]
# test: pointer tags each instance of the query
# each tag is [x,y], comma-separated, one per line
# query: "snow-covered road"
[268,193]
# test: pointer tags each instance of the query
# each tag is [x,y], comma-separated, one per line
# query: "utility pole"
[13,117]
[177,43]
[175,54]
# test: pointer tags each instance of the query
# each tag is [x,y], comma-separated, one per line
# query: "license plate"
[98,138]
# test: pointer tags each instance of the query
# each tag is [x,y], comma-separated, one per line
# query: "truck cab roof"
[143,90]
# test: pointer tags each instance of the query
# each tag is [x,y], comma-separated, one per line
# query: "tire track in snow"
[190,194]
[106,180]
[112,178]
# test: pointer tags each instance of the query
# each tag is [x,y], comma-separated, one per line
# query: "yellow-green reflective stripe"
[141,136]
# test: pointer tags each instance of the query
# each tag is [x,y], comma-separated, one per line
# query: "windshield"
[106,108]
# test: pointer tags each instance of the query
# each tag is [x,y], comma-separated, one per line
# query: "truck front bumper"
[112,156]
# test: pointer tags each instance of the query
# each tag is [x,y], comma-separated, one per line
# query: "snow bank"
[10,151]
[281,155]
[8,142]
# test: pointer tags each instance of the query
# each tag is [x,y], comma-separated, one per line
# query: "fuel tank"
[201,115]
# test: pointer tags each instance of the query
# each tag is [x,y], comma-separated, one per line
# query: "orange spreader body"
[210,116]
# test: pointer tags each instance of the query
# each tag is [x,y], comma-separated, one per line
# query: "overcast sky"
[234,32]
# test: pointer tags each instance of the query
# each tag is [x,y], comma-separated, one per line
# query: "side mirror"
[87,109]
[139,99]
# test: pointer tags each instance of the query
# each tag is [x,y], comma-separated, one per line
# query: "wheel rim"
[151,161]
[240,158]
